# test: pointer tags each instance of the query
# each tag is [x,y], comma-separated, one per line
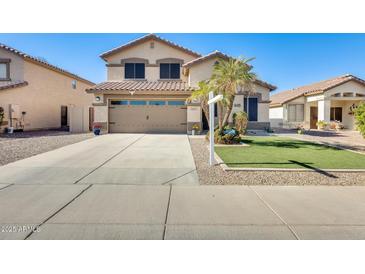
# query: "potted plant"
[97,128]
[194,129]
[300,129]
[339,126]
[322,125]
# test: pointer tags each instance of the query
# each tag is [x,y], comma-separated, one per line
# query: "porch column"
[324,110]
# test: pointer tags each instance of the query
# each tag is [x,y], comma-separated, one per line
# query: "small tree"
[360,118]
[228,77]
[202,94]
[2,115]
[240,120]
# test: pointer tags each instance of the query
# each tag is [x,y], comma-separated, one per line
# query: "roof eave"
[17,85]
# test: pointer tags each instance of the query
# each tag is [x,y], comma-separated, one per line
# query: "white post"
[324,108]
[211,102]
[211,130]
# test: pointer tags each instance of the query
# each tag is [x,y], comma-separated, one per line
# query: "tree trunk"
[220,113]
[228,112]
[205,108]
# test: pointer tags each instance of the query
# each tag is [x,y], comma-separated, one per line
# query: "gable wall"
[160,51]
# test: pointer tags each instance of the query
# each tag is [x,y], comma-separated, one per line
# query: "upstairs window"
[4,69]
[169,71]
[134,71]
[74,84]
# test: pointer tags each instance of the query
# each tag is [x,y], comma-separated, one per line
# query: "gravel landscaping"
[217,176]
[22,145]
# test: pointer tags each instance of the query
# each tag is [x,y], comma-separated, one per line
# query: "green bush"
[360,118]
[240,120]
[2,115]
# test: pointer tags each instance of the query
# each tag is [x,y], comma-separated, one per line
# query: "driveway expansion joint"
[277,214]
[167,213]
[6,186]
[108,160]
[59,210]
[178,177]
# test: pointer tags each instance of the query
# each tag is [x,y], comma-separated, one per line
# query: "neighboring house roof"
[218,54]
[178,86]
[12,84]
[44,63]
[147,38]
[312,89]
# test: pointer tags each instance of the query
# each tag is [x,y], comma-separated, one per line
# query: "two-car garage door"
[147,116]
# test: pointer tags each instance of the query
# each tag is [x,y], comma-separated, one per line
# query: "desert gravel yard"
[22,145]
[217,176]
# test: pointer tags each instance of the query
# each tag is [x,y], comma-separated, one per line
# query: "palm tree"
[228,77]
[202,94]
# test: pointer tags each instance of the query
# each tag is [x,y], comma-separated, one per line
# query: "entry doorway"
[91,118]
[205,122]
[313,117]
[64,117]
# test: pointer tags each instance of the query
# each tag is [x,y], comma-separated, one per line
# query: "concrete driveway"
[110,159]
[145,187]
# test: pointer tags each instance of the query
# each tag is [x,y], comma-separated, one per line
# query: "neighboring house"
[148,82]
[37,95]
[329,100]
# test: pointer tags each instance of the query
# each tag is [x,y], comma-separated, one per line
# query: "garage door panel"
[148,119]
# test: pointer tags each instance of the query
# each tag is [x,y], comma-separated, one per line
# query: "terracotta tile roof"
[12,84]
[315,88]
[218,54]
[154,86]
[147,38]
[44,63]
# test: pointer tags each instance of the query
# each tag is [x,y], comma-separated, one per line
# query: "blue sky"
[285,60]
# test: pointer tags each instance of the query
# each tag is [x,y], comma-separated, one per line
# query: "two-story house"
[37,95]
[149,80]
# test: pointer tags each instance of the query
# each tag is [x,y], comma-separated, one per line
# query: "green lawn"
[280,152]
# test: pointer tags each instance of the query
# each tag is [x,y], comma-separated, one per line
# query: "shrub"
[240,121]
[2,115]
[322,124]
[228,135]
[360,118]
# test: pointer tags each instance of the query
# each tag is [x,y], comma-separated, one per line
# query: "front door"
[313,117]
[64,116]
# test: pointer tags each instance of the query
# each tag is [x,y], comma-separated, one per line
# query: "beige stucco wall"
[144,51]
[200,72]
[276,116]
[16,65]
[44,95]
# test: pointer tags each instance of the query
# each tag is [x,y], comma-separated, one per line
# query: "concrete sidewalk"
[182,212]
